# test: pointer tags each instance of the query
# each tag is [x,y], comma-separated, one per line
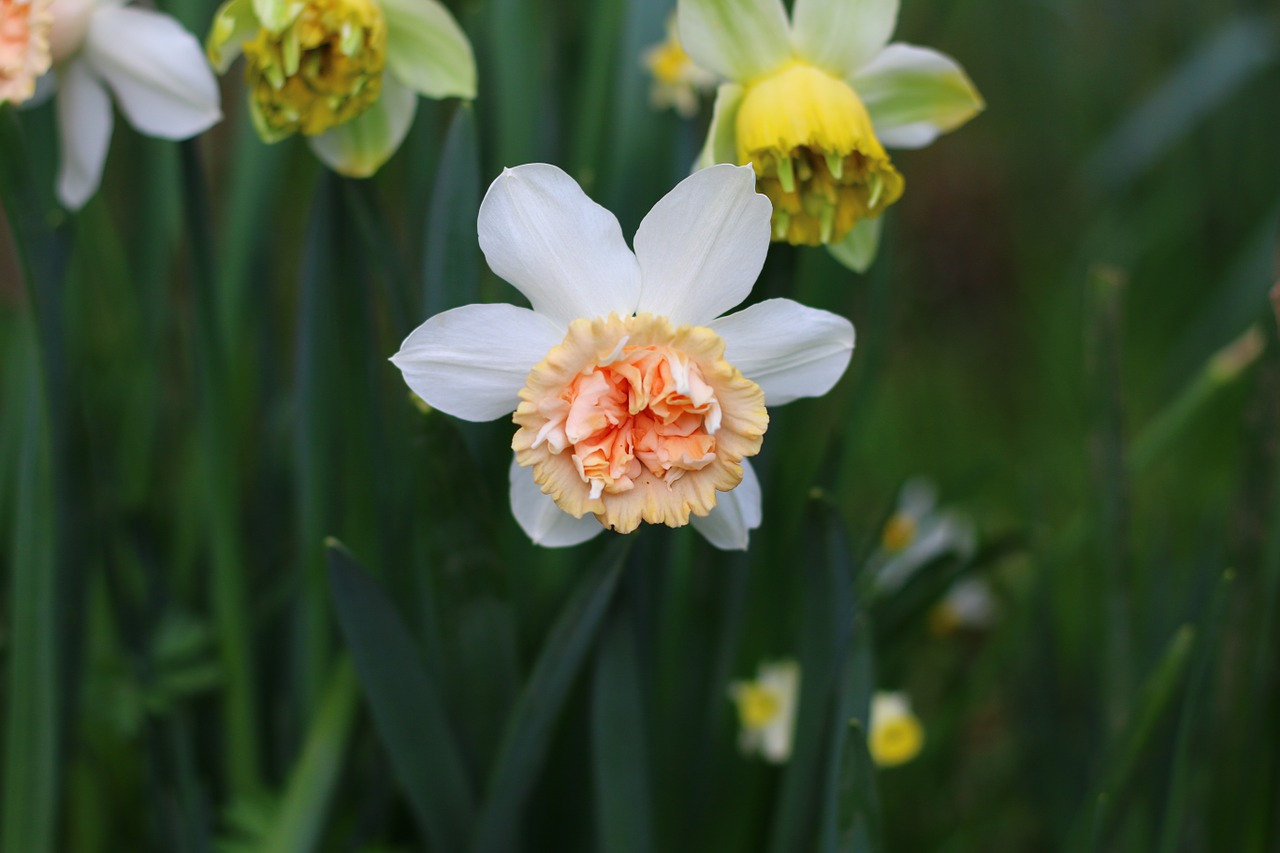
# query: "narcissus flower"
[634,399]
[677,81]
[85,49]
[916,534]
[968,605]
[813,103]
[344,73]
[895,735]
[767,710]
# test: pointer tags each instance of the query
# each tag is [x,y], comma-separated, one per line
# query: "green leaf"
[408,710]
[858,819]
[528,735]
[451,270]
[851,807]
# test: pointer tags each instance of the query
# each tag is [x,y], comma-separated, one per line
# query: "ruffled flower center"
[323,69]
[810,140]
[24,47]
[633,419]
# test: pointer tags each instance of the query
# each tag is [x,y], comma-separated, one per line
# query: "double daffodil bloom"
[86,51]
[813,102]
[895,735]
[344,73]
[634,399]
[767,710]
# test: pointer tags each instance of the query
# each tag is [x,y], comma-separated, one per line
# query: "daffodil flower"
[813,102]
[634,399]
[677,80]
[968,604]
[895,735]
[916,534]
[767,710]
[88,50]
[344,73]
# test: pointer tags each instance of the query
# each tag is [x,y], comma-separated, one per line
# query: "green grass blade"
[407,707]
[450,266]
[528,735]
[850,802]
[858,819]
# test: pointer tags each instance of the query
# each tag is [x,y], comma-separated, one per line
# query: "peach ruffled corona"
[632,419]
[24,47]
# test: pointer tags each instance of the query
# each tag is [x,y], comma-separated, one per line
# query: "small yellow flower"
[896,735]
[767,709]
[677,80]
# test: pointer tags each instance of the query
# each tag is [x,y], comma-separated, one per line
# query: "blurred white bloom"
[677,81]
[767,710]
[969,604]
[895,735]
[917,534]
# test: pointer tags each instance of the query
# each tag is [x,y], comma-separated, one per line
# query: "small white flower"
[636,400]
[917,534]
[969,604]
[677,79]
[767,710]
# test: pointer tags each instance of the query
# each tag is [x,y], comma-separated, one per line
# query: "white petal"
[156,69]
[539,231]
[703,244]
[359,147]
[737,39]
[722,135]
[842,35]
[544,522]
[427,50]
[84,131]
[736,514]
[914,93]
[786,348]
[471,362]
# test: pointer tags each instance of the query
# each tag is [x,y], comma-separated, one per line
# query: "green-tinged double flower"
[812,103]
[344,73]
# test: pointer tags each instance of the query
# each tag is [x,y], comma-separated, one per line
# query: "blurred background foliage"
[196,397]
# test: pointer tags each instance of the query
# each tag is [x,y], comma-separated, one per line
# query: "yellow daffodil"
[677,81]
[895,735]
[767,710]
[344,73]
[635,400]
[814,100]
[916,534]
[85,52]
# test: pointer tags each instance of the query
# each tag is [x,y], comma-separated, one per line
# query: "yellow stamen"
[323,69]
[896,741]
[816,156]
[758,706]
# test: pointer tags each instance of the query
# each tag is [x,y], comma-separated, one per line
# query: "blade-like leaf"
[451,270]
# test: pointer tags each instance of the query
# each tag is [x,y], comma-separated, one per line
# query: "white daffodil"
[767,710]
[969,604]
[917,534]
[344,73]
[814,99]
[86,51]
[635,400]
[677,81]
[895,735]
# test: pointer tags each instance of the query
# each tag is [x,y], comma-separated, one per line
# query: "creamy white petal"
[427,50]
[359,147]
[842,36]
[722,135]
[471,362]
[539,231]
[702,246]
[737,512]
[84,132]
[914,94]
[788,349]
[857,251]
[233,24]
[156,69]
[737,39]
[544,522]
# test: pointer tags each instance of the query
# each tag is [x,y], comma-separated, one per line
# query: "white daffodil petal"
[359,147]
[737,512]
[786,348]
[156,69]
[84,132]
[471,362]
[233,24]
[842,35]
[539,231]
[427,50]
[857,251]
[544,522]
[722,136]
[737,39]
[913,94]
[702,246]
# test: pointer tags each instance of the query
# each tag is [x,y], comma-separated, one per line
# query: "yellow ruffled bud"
[323,69]
[816,156]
